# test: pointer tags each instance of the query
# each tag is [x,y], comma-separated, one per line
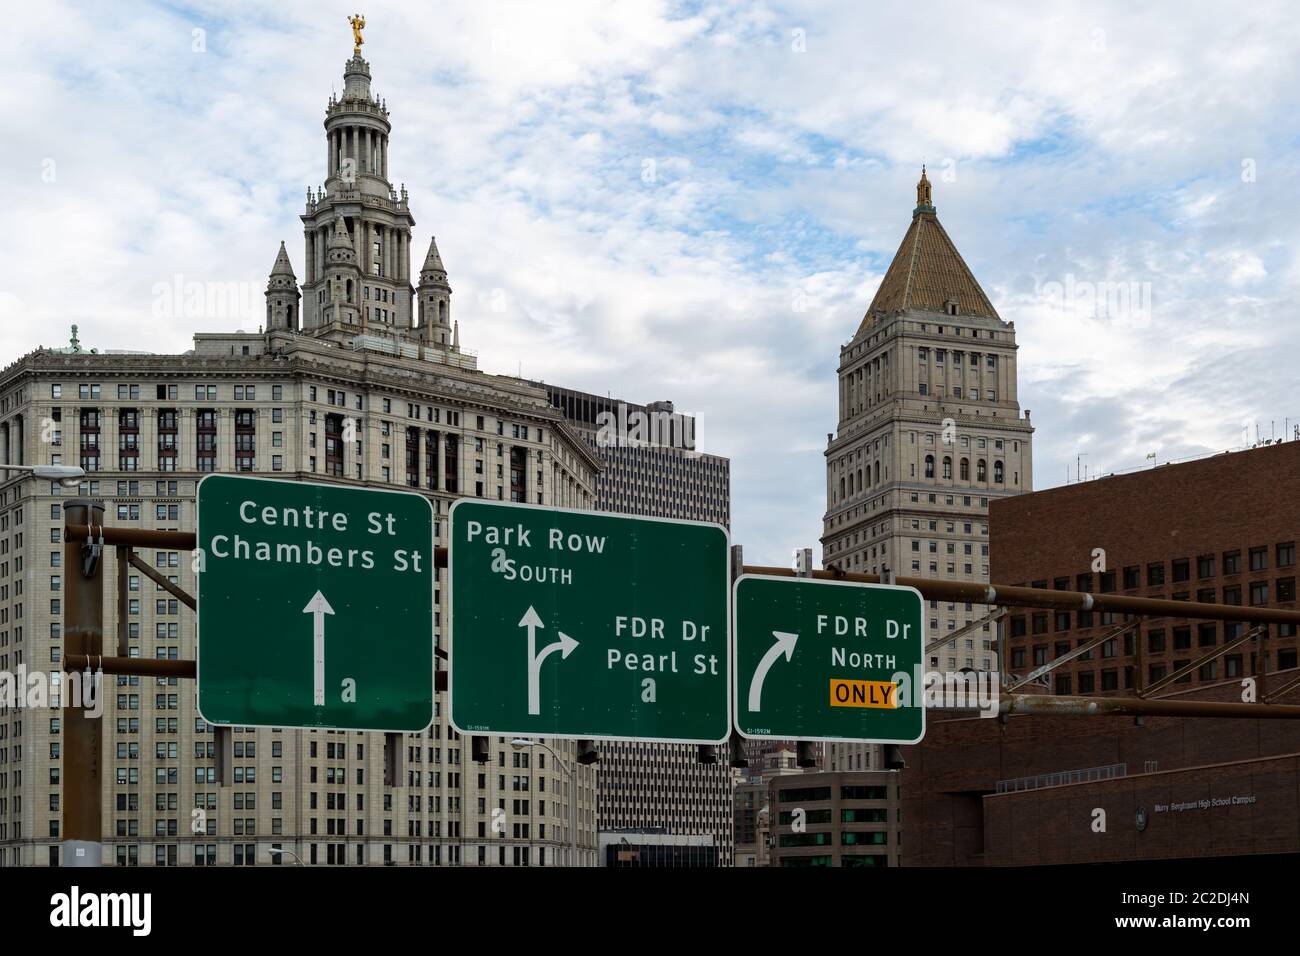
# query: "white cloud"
[1103,142]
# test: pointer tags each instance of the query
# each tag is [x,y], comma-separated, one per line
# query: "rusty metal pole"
[83,635]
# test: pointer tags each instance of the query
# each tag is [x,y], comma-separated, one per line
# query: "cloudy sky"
[696,201]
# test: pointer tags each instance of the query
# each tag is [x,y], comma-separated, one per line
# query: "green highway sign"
[315,605]
[828,660]
[583,624]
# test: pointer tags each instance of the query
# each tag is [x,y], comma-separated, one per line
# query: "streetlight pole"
[68,475]
[572,771]
[277,851]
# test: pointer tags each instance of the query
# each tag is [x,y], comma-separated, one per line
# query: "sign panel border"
[198,591]
[590,513]
[735,653]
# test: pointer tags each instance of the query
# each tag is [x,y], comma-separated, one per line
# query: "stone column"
[442,462]
[108,451]
[421,448]
[148,439]
[435,443]
[184,438]
[466,466]
[225,440]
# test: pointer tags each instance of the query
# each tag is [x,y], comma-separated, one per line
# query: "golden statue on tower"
[358,24]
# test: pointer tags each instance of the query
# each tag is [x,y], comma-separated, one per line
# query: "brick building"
[1042,790]
[1220,530]
[1025,792]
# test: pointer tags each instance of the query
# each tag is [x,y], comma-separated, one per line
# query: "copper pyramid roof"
[928,272]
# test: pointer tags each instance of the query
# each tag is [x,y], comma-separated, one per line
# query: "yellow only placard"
[881,694]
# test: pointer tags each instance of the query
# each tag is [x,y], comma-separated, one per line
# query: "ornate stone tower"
[282,295]
[435,300]
[929,432]
[375,217]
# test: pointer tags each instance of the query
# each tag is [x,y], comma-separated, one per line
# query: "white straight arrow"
[564,645]
[784,645]
[318,607]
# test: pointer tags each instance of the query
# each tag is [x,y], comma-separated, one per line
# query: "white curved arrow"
[318,607]
[784,645]
[564,645]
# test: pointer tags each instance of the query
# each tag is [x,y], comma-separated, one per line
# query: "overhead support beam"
[1281,691]
[1048,705]
[998,594]
[143,567]
[961,632]
[955,591]
[1200,662]
[1079,651]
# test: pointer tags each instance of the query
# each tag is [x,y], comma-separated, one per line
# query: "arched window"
[981,471]
[869,481]
[947,467]
[929,466]
[965,469]
[841,487]
[859,481]
[442,312]
[997,472]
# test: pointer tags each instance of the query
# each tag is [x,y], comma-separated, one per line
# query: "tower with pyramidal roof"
[930,431]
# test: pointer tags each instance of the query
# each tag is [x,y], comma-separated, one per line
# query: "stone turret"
[434,294]
[342,286]
[282,295]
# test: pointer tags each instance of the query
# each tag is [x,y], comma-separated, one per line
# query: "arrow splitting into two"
[564,645]
[785,642]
